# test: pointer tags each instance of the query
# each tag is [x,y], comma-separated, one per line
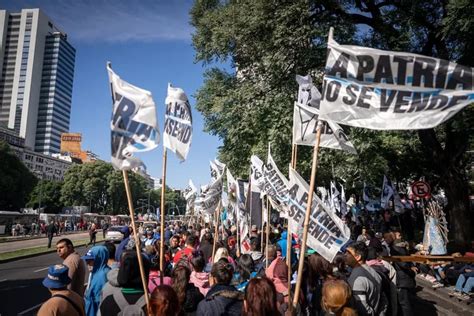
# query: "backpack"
[127,309]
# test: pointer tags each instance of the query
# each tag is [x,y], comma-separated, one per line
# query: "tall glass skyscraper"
[36,78]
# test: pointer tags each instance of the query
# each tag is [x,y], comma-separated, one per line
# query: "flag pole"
[216,230]
[162,216]
[294,158]
[261,237]
[268,232]
[308,213]
[137,240]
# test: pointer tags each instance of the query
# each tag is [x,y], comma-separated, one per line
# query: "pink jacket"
[201,281]
[154,280]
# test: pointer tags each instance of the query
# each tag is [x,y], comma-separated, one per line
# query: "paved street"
[20,283]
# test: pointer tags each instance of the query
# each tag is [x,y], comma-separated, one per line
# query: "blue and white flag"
[178,131]
[386,90]
[134,126]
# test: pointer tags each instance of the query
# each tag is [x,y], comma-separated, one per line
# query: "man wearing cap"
[77,267]
[96,259]
[149,239]
[63,301]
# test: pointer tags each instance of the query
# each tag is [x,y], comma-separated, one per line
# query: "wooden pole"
[137,241]
[261,231]
[268,232]
[237,215]
[294,158]
[162,216]
[308,213]
[216,230]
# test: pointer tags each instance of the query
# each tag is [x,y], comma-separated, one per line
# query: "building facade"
[36,79]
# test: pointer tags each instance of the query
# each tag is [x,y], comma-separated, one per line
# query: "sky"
[149,45]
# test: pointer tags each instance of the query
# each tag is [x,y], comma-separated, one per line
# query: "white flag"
[388,90]
[134,126]
[343,201]
[305,122]
[178,131]
[211,195]
[335,205]
[387,192]
[327,233]
[257,180]
[276,186]
[190,195]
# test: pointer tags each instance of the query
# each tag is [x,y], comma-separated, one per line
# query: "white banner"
[134,126]
[335,204]
[343,201]
[257,180]
[327,233]
[178,131]
[387,193]
[210,196]
[305,121]
[388,90]
[276,187]
[190,195]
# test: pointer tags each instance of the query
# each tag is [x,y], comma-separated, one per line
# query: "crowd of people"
[203,276]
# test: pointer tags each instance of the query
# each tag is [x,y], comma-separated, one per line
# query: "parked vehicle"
[114,234]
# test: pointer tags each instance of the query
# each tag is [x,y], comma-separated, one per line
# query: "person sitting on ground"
[365,282]
[164,302]
[63,302]
[336,295]
[77,267]
[199,278]
[222,298]
[465,283]
[260,298]
[188,295]
[130,299]
[96,259]
[245,270]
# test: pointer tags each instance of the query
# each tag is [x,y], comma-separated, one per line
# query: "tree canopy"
[266,43]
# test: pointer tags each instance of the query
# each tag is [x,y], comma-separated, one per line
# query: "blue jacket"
[121,247]
[282,244]
[97,280]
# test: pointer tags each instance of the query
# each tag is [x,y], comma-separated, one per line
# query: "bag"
[127,309]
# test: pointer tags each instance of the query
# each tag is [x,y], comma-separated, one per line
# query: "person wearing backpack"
[63,301]
[128,298]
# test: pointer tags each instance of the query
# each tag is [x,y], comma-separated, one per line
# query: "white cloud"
[116,21]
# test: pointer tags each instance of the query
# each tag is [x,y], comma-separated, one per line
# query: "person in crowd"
[92,234]
[282,243]
[111,249]
[50,231]
[96,259]
[336,296]
[320,271]
[222,298]
[254,232]
[164,302]
[105,227]
[245,270]
[206,246]
[255,252]
[63,301]
[174,245]
[187,251]
[130,299]
[363,237]
[149,239]
[339,267]
[365,282]
[121,247]
[406,273]
[188,294]
[277,272]
[260,298]
[222,252]
[77,267]
[154,279]
[198,277]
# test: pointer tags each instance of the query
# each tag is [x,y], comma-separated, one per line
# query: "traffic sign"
[421,189]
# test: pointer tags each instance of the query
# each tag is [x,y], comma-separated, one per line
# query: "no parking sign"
[421,189]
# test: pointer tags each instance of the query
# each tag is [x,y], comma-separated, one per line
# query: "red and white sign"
[421,189]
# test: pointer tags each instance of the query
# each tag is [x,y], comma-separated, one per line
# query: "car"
[114,234]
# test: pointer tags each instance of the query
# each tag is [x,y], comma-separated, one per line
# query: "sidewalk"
[37,241]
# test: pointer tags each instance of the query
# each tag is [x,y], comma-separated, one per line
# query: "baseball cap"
[57,277]
[88,256]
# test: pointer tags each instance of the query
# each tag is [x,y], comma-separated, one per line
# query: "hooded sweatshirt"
[121,247]
[98,278]
[282,243]
[201,281]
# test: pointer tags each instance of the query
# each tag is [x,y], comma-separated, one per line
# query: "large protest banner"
[190,195]
[326,233]
[134,126]
[276,186]
[178,130]
[388,90]
[211,195]
[254,201]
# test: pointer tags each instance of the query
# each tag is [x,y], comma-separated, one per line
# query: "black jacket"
[193,297]
[405,275]
[221,300]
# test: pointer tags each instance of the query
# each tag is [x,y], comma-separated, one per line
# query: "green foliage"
[16,181]
[48,194]
[268,42]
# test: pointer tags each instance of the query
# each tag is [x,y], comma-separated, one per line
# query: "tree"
[269,42]
[48,194]
[16,181]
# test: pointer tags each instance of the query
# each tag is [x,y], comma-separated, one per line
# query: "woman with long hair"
[336,297]
[188,295]
[164,302]
[244,272]
[260,298]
